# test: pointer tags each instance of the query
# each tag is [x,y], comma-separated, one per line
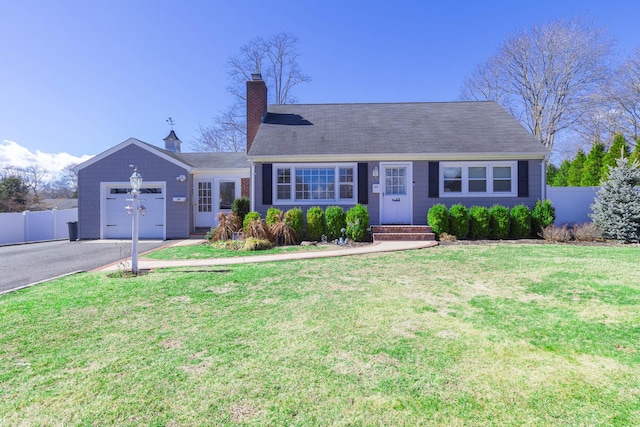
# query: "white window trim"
[293,166]
[465,179]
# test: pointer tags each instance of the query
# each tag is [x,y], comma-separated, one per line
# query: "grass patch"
[205,250]
[460,335]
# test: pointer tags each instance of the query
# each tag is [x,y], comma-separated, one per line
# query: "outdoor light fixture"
[375,171]
[134,211]
[181,178]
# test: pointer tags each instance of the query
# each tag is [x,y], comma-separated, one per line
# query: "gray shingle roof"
[207,160]
[410,129]
[215,160]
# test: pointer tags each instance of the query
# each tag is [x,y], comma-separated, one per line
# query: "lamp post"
[136,183]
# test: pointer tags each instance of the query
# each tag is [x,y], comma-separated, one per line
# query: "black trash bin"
[73,231]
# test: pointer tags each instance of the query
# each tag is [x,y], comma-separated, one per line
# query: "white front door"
[212,196]
[204,203]
[396,199]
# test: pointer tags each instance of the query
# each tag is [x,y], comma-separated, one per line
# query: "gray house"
[398,159]
[182,192]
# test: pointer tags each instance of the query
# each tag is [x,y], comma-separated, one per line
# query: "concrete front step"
[402,233]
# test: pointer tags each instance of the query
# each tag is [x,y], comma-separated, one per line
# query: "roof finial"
[171,122]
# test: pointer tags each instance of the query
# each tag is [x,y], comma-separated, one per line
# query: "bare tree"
[34,178]
[276,58]
[624,94]
[545,76]
[227,133]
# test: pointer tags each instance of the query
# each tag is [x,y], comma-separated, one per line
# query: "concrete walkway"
[385,246]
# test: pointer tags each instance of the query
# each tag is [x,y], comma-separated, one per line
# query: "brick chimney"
[256,106]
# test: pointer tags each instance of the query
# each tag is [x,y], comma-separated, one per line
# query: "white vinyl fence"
[36,226]
[573,204]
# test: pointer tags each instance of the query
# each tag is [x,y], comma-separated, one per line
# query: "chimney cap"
[256,76]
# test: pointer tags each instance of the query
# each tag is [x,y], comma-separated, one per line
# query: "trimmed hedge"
[357,223]
[293,217]
[542,216]
[273,216]
[459,221]
[438,219]
[520,219]
[248,218]
[241,207]
[498,222]
[335,219]
[315,223]
[478,222]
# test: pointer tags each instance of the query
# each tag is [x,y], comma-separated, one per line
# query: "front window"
[477,179]
[310,183]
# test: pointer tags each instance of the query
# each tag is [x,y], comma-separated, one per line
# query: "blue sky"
[78,77]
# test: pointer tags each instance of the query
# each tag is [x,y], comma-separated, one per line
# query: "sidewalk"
[385,246]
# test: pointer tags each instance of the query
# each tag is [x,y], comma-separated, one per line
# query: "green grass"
[205,250]
[497,335]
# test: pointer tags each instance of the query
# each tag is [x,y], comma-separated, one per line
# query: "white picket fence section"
[36,226]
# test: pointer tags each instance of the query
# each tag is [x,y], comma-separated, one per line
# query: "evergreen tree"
[13,194]
[574,175]
[560,178]
[619,145]
[552,170]
[616,209]
[593,166]
[635,156]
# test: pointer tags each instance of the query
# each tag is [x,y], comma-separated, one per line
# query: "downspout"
[543,177]
[252,190]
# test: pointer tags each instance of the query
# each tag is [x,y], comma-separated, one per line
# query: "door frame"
[409,166]
[215,195]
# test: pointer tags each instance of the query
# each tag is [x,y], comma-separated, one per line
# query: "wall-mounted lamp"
[181,178]
[375,171]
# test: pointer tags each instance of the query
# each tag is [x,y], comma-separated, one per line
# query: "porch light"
[375,172]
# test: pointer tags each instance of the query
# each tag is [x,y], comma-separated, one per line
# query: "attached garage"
[116,223]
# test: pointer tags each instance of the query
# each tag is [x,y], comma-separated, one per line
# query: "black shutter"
[363,183]
[523,178]
[267,181]
[434,180]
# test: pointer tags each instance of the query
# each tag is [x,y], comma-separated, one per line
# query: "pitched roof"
[215,160]
[409,130]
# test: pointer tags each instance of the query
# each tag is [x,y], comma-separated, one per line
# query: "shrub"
[446,237]
[357,223]
[551,233]
[293,217]
[282,232]
[227,225]
[257,229]
[335,221]
[253,244]
[478,222]
[498,222]
[241,207]
[315,223]
[438,219]
[587,232]
[459,221]
[520,217]
[542,216]
[272,215]
[249,218]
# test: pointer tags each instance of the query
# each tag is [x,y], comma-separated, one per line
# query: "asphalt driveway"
[22,265]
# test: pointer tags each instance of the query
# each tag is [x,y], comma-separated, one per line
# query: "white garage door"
[117,224]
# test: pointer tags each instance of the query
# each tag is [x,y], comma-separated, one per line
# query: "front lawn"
[499,335]
[204,251]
